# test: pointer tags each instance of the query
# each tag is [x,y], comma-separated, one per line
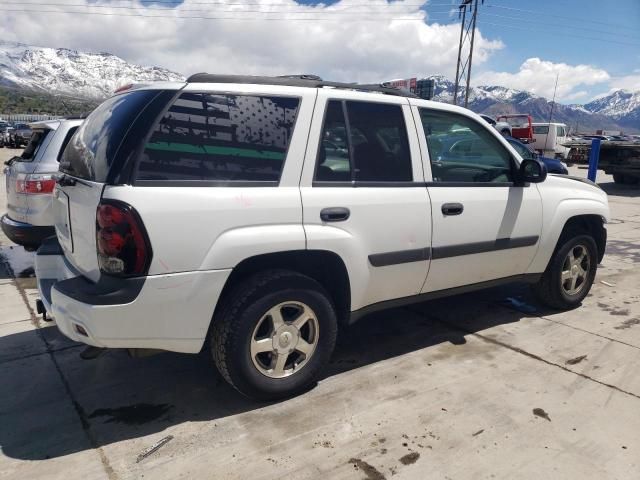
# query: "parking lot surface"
[484,385]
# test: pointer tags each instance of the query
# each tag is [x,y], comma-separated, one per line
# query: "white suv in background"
[30,182]
[264,214]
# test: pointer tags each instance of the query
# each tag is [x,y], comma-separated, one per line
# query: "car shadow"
[615,189]
[54,404]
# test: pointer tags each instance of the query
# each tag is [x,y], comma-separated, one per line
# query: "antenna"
[467,35]
[553,103]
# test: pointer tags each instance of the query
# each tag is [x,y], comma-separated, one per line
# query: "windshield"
[36,140]
[91,150]
[518,122]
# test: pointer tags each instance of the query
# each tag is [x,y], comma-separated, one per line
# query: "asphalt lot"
[480,386]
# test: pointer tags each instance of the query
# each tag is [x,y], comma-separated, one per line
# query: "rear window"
[541,129]
[35,141]
[221,138]
[92,150]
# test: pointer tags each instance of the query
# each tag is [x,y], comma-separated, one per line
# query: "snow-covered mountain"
[69,72]
[619,110]
[622,105]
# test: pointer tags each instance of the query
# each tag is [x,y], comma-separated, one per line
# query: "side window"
[462,150]
[219,137]
[559,131]
[524,152]
[65,142]
[333,163]
[370,145]
[380,142]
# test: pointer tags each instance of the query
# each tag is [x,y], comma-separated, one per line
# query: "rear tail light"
[121,240]
[35,184]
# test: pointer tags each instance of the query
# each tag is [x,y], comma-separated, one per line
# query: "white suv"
[264,214]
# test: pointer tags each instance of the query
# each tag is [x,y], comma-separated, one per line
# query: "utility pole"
[468,13]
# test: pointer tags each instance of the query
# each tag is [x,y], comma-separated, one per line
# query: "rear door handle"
[452,208]
[334,214]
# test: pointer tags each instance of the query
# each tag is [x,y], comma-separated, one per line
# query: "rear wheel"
[570,273]
[273,334]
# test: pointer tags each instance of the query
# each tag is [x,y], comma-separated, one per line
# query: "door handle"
[334,214]
[452,208]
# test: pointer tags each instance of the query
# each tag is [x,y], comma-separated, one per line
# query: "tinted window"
[220,137]
[37,138]
[541,129]
[333,163]
[560,131]
[462,150]
[65,142]
[92,149]
[374,147]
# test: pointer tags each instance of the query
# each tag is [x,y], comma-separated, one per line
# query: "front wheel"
[273,334]
[570,273]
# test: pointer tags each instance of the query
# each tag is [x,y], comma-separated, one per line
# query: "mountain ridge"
[619,110]
[60,72]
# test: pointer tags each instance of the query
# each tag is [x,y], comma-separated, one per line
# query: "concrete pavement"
[485,385]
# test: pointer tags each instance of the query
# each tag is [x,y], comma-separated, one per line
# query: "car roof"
[54,124]
[308,81]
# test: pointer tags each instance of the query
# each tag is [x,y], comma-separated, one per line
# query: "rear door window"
[93,148]
[369,144]
[221,138]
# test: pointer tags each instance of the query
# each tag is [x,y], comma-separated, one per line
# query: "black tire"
[618,178]
[240,313]
[549,289]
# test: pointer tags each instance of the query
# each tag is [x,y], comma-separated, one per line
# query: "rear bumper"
[165,312]
[24,233]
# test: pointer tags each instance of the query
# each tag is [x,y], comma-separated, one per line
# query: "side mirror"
[532,171]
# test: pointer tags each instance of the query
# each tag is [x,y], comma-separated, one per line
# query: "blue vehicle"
[553,165]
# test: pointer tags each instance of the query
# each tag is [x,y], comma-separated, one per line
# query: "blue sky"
[593,46]
[602,34]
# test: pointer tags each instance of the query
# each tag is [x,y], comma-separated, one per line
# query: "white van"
[548,139]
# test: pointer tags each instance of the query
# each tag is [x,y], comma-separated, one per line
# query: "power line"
[604,40]
[605,32]
[200,17]
[563,26]
[275,3]
[562,16]
[167,9]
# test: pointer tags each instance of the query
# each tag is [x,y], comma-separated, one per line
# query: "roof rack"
[309,81]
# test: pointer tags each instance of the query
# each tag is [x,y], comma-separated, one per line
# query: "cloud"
[348,40]
[627,82]
[539,76]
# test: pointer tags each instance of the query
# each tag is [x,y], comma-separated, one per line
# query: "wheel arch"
[569,220]
[591,224]
[325,267]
